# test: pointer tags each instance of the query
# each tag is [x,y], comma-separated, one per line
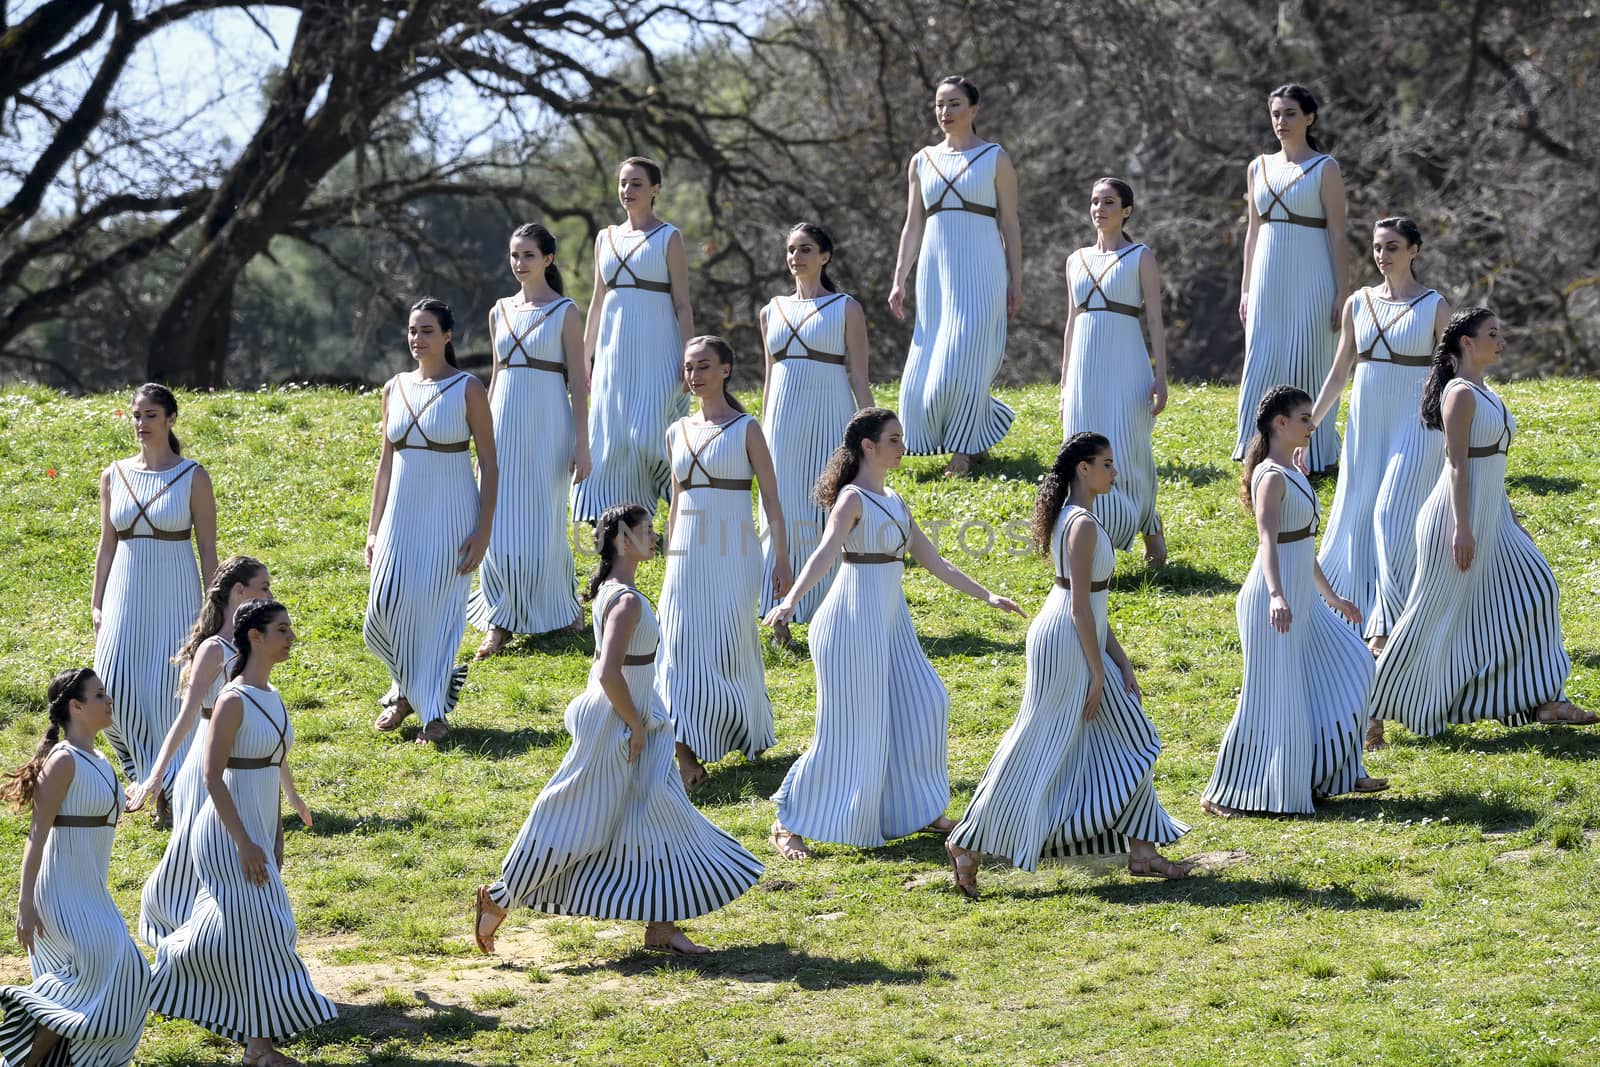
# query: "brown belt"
[535,364]
[431,446]
[1114,306]
[645,284]
[635,660]
[1302,220]
[1295,535]
[1484,451]
[815,357]
[107,820]
[205,713]
[740,484]
[238,763]
[1396,358]
[976,209]
[872,557]
[155,535]
[1094,587]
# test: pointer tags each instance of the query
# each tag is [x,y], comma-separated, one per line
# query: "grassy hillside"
[1450,921]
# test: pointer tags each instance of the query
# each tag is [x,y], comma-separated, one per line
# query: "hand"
[781,612]
[253,862]
[1091,699]
[897,301]
[1463,547]
[139,792]
[1005,604]
[1348,610]
[1158,397]
[1130,684]
[28,922]
[94,613]
[1061,406]
[1013,301]
[301,808]
[372,539]
[580,464]
[635,742]
[1244,309]
[1298,458]
[1337,313]
[472,550]
[782,577]
[1280,614]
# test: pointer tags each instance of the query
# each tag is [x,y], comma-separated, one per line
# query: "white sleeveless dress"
[636,387]
[809,403]
[1484,643]
[527,583]
[1390,460]
[1287,336]
[1058,785]
[876,769]
[1296,735]
[169,892]
[617,840]
[710,674]
[1109,378]
[417,603]
[232,966]
[90,984]
[152,597]
[960,333]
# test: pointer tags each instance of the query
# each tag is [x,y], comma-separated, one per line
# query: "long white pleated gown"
[636,388]
[1109,378]
[711,676]
[617,840]
[1484,643]
[1288,339]
[152,596]
[169,892]
[1296,736]
[90,983]
[960,333]
[417,603]
[808,405]
[232,966]
[876,769]
[1390,461]
[526,583]
[1058,785]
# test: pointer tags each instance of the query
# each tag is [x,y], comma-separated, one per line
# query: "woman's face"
[954,113]
[1486,344]
[638,541]
[703,374]
[634,190]
[1294,429]
[806,259]
[274,640]
[1106,210]
[1289,122]
[1099,473]
[151,423]
[527,262]
[93,709]
[425,336]
[257,588]
[890,447]
[1392,253]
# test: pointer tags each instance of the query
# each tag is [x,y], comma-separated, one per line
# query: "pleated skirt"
[1109,378]
[169,892]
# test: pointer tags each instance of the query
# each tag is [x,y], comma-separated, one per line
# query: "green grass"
[1450,921]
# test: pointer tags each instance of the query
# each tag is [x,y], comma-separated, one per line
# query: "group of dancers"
[1422,552]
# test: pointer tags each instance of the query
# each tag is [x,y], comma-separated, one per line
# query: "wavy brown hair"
[845,461]
[63,690]
[1057,484]
[235,570]
[1279,400]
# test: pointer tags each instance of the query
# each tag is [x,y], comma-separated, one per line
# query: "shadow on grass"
[1178,576]
[1586,658]
[1495,812]
[1196,474]
[339,823]
[554,643]
[733,782]
[494,741]
[421,1019]
[969,643]
[768,962]
[1544,484]
[1554,742]
[1206,890]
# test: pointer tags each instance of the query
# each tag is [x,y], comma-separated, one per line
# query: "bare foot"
[690,769]
[489,917]
[960,466]
[1375,739]
[493,642]
[1375,646]
[433,733]
[780,635]
[666,937]
[1565,713]
[1221,812]
[1371,785]
[942,825]
[790,845]
[575,626]
[1155,550]
[1156,865]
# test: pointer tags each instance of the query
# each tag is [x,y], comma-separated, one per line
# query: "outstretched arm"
[1343,362]
[207,664]
[841,520]
[923,552]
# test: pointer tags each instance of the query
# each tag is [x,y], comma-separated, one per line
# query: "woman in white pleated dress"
[1296,735]
[539,401]
[1074,775]
[816,378]
[1296,269]
[639,317]
[1480,635]
[876,769]
[711,675]
[232,966]
[429,526]
[1390,461]
[613,835]
[1111,382]
[961,232]
[91,986]
[146,582]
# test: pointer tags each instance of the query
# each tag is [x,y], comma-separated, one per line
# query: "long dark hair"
[1307,103]
[252,615]
[235,570]
[724,353]
[845,461]
[1057,484]
[447,322]
[1124,193]
[1407,230]
[63,690]
[824,244]
[969,90]
[1446,353]
[1279,400]
[162,397]
[612,521]
[545,242]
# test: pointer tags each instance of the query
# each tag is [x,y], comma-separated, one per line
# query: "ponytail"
[64,688]
[845,461]
[1057,484]
[724,353]
[235,570]
[1446,354]
[612,521]
[163,398]
[545,242]
[1279,400]
[252,615]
